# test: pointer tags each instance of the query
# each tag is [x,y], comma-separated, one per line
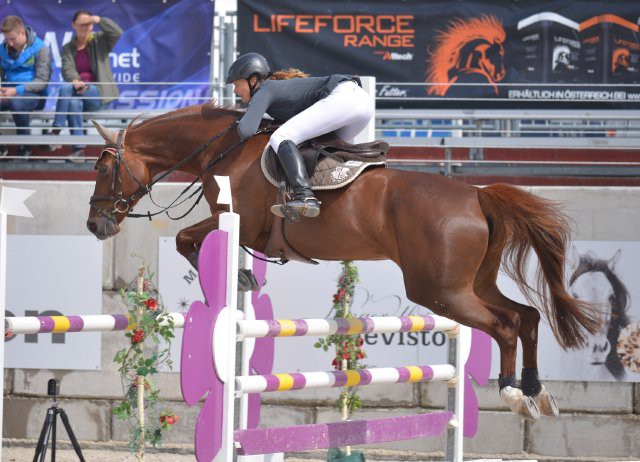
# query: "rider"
[306,106]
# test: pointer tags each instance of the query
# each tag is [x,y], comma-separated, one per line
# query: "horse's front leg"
[189,240]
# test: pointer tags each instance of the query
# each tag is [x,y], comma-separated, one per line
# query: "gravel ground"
[23,450]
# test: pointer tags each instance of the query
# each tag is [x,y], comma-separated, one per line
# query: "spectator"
[85,64]
[25,64]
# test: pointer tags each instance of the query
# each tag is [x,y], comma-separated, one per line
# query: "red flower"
[152,304]
[138,336]
[360,355]
[346,356]
[360,340]
[168,419]
[338,297]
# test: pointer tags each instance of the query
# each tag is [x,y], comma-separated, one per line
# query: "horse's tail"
[519,221]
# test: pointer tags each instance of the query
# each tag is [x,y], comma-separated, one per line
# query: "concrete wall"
[597,419]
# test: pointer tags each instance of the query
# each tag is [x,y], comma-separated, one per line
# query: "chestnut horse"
[448,237]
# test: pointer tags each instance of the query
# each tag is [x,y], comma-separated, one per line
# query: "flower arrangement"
[349,353]
[147,352]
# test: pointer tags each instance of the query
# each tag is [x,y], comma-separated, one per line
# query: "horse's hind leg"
[486,288]
[439,265]
[457,301]
[502,325]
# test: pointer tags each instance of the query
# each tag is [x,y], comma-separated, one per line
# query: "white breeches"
[347,110]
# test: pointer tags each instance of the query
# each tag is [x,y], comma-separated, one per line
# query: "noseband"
[120,203]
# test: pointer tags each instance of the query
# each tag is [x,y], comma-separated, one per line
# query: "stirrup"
[293,210]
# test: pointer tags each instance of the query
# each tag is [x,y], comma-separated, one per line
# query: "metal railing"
[441,129]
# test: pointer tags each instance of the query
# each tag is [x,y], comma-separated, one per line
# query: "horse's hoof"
[247,282]
[522,405]
[546,403]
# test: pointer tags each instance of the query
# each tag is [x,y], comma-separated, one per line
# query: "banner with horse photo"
[472,54]
[154,47]
[602,273]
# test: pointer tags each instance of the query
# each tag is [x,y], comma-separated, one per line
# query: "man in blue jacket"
[25,66]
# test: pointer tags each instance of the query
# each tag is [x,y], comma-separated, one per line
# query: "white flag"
[224,197]
[12,201]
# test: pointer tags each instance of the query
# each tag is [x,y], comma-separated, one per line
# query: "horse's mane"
[206,111]
[619,302]
[450,41]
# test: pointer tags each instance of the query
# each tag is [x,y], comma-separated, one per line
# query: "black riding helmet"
[246,66]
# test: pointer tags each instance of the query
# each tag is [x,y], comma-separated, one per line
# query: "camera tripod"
[49,430]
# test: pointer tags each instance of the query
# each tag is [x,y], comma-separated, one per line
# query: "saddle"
[331,163]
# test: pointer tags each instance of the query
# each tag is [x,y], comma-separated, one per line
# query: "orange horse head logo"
[620,60]
[468,47]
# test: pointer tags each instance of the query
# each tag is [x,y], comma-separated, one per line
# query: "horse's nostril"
[92,227]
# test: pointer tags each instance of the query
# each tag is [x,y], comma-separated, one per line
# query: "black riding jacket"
[283,99]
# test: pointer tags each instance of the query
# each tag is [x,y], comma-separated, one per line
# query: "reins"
[123,205]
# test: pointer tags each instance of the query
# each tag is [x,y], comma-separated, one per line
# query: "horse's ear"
[573,257]
[613,262]
[110,136]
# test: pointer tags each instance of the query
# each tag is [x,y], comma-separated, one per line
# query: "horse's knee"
[184,243]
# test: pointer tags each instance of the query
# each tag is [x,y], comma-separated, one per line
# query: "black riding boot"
[303,203]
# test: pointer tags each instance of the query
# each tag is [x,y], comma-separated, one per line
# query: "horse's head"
[620,60]
[593,286]
[120,183]
[483,57]
[473,45]
[594,280]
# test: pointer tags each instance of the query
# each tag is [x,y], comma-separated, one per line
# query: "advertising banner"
[54,276]
[482,53]
[163,41]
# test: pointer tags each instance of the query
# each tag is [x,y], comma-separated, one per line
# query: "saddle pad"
[329,173]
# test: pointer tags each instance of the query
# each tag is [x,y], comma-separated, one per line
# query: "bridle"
[120,203]
[124,205]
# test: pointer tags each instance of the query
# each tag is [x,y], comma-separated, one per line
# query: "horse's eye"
[103,170]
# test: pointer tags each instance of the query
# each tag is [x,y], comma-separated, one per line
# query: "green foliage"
[348,348]
[147,352]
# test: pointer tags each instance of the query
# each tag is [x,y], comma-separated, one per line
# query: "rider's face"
[241,89]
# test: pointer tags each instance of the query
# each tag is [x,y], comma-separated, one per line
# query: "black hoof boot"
[506,381]
[530,383]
